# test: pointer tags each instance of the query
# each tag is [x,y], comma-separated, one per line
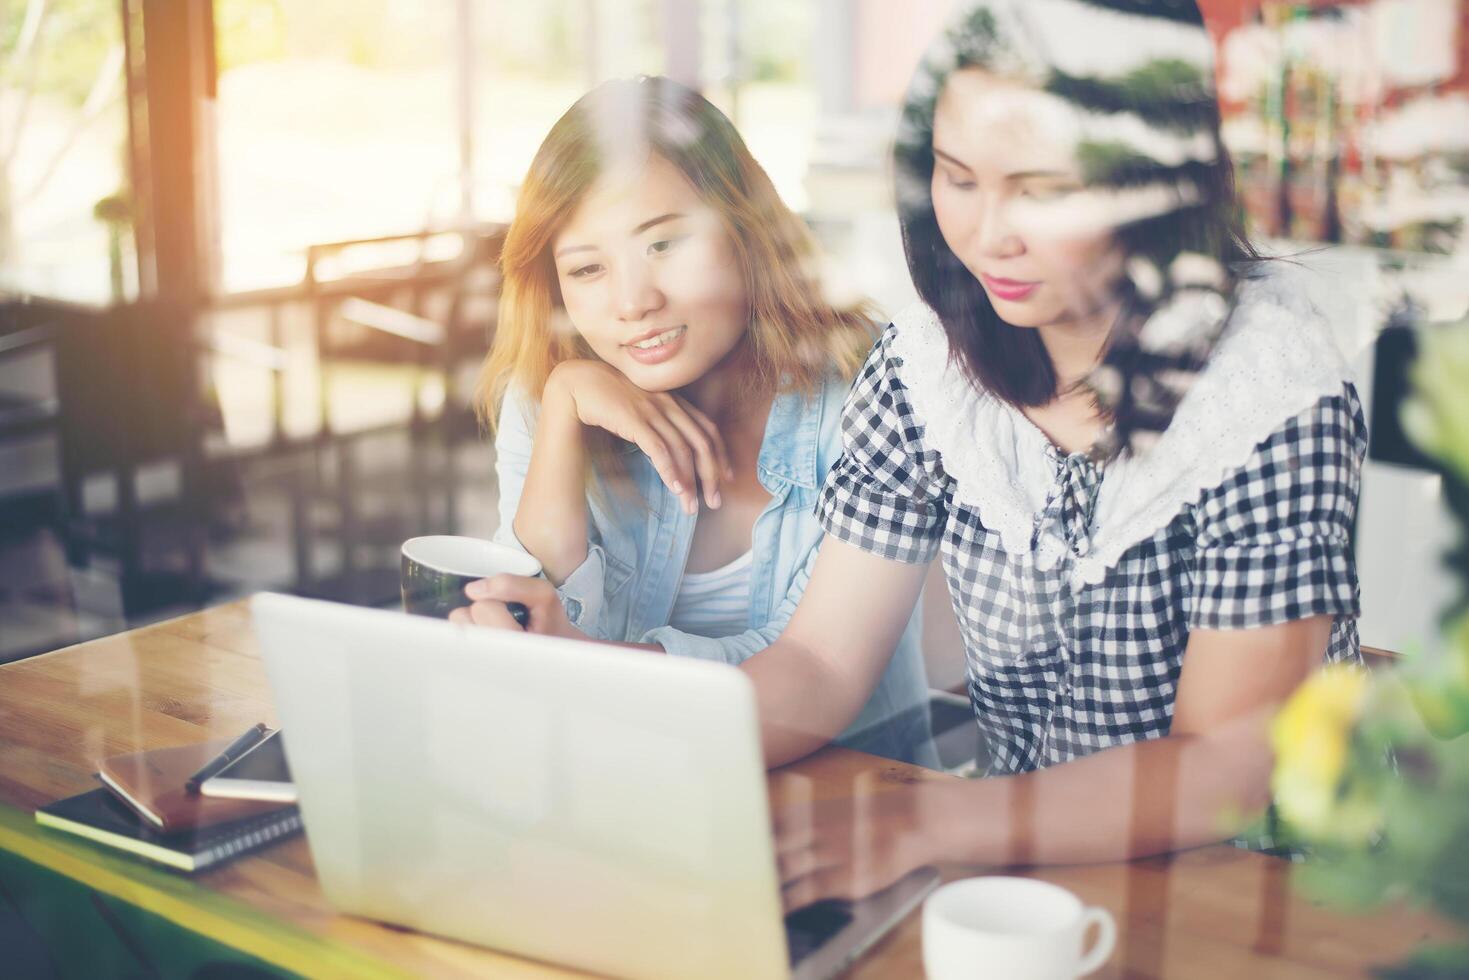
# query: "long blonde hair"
[797,336]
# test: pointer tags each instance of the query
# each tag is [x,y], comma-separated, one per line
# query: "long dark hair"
[1168,95]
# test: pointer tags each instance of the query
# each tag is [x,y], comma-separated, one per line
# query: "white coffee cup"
[1011,929]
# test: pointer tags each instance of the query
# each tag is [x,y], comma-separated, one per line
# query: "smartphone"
[259,774]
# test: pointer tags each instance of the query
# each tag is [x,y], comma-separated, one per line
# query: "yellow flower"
[1311,737]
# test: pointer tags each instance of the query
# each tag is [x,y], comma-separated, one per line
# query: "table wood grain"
[1211,912]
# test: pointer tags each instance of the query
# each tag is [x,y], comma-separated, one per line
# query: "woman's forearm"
[551,519]
[802,704]
[1132,801]
[813,679]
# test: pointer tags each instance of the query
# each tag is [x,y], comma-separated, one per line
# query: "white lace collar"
[1275,360]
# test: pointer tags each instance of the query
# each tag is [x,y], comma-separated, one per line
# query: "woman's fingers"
[827,882]
[794,829]
[816,876]
[721,451]
[512,588]
[487,612]
[707,461]
[683,457]
[796,864]
[493,614]
[647,439]
[531,602]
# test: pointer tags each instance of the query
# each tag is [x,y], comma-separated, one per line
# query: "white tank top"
[715,603]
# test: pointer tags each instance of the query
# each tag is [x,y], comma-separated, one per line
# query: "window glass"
[336,121]
[64,226]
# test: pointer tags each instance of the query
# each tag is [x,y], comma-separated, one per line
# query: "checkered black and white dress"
[1070,651]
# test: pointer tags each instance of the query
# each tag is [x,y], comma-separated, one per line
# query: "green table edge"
[184,902]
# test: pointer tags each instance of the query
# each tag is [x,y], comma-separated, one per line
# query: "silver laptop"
[589,806]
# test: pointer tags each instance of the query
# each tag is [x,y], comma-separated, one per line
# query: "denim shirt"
[625,590]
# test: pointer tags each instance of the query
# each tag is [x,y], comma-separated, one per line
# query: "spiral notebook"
[99,816]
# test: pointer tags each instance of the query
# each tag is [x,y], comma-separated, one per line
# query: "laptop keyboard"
[809,927]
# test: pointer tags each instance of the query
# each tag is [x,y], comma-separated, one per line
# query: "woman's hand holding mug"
[489,599]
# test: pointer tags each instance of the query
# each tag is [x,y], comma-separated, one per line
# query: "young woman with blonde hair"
[667,378]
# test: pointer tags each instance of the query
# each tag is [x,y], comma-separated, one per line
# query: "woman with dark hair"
[1131,443]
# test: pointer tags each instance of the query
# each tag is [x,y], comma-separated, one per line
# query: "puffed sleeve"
[1274,539]
[883,494]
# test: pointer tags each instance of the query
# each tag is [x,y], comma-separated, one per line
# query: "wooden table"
[1212,912]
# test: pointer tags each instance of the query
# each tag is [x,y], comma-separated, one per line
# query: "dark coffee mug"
[436,568]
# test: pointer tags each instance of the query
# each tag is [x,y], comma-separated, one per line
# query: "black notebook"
[98,816]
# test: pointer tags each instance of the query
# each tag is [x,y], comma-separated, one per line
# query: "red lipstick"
[1011,290]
